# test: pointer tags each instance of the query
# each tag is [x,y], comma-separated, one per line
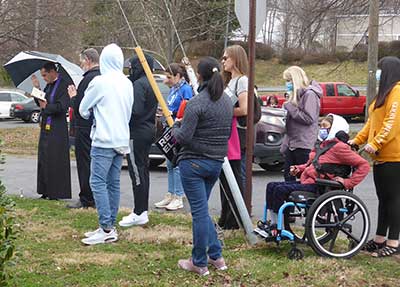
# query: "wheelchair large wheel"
[343,218]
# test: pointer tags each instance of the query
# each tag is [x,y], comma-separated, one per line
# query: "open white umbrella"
[26,63]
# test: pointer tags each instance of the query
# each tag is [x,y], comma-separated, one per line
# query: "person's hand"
[35,82]
[369,149]
[294,170]
[42,104]
[72,91]
[339,179]
[351,142]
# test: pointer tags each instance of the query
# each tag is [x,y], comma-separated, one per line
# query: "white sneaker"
[163,203]
[91,233]
[176,203]
[101,237]
[134,219]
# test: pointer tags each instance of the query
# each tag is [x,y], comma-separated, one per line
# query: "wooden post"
[154,86]
[372,51]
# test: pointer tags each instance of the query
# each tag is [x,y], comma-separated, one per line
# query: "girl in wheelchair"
[332,158]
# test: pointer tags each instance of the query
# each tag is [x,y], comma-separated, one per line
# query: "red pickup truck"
[338,98]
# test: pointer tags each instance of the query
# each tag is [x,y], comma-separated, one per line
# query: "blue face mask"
[323,133]
[289,87]
[378,74]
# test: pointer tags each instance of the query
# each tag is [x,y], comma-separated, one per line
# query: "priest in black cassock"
[53,173]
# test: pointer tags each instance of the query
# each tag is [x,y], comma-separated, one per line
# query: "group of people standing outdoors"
[115,116]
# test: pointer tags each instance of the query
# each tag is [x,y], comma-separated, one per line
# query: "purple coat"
[302,120]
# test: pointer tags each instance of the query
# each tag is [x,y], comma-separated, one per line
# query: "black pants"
[278,192]
[387,184]
[83,144]
[294,157]
[138,166]
[227,219]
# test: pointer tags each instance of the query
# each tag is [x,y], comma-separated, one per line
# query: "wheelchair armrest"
[330,183]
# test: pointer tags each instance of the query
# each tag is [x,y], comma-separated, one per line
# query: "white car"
[8,97]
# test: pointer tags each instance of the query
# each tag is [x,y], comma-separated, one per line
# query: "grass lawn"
[51,254]
[269,73]
[22,141]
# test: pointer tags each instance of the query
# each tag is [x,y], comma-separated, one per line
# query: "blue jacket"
[179,92]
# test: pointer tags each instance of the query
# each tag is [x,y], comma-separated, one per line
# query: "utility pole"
[372,50]
[36,25]
[228,19]
[250,105]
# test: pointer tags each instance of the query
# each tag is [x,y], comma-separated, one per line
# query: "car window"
[5,97]
[164,89]
[17,97]
[346,91]
[330,90]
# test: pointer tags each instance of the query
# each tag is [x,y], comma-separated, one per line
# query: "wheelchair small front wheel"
[295,254]
[344,217]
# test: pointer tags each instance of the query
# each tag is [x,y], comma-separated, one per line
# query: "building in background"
[353,29]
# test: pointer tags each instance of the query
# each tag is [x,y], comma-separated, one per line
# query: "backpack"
[242,121]
[340,170]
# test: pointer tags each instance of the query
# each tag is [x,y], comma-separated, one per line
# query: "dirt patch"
[79,258]
[49,231]
[20,140]
[158,234]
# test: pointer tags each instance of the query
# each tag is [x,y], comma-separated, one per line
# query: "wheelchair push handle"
[360,150]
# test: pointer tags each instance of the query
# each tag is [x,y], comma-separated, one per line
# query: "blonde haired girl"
[299,80]
[302,118]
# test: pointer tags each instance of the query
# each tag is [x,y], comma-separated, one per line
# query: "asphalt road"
[15,123]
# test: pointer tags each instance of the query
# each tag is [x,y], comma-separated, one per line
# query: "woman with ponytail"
[203,135]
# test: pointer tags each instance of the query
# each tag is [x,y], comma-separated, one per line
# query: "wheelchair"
[334,222]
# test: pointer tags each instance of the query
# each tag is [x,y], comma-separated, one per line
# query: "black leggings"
[227,219]
[387,184]
[294,157]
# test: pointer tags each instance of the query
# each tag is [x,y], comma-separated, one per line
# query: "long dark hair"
[209,70]
[390,67]
[176,68]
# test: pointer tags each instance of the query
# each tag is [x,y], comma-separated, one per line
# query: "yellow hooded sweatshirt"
[382,130]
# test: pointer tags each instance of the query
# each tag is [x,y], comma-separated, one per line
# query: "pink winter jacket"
[340,153]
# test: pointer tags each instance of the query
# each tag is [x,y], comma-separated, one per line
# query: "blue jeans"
[105,170]
[174,180]
[198,178]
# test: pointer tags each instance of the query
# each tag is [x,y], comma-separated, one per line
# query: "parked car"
[269,135]
[338,98]
[27,111]
[7,98]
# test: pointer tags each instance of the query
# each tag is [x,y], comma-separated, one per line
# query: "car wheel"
[156,162]
[271,167]
[35,117]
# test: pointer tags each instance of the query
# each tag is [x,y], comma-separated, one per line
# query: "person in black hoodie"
[89,60]
[142,134]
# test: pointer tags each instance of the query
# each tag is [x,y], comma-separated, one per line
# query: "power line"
[127,22]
